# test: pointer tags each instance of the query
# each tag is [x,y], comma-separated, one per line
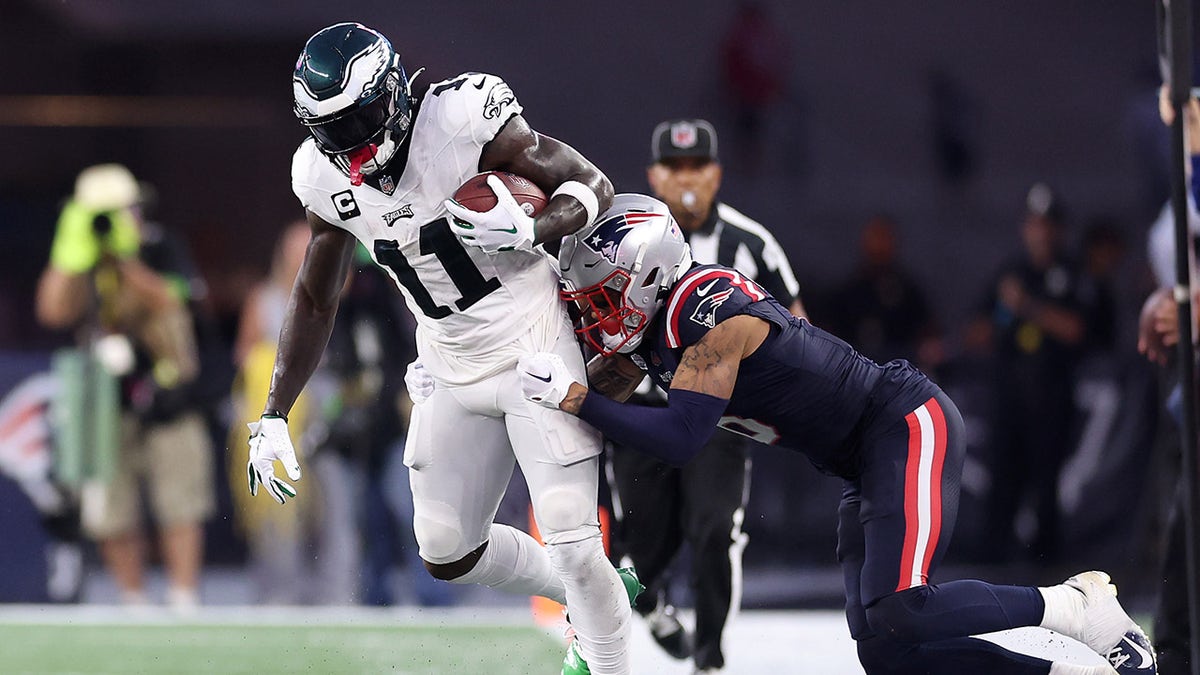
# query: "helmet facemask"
[609,324]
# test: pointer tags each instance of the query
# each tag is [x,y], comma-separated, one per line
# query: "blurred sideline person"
[364,425]
[277,539]
[733,356]
[881,307]
[379,167]
[659,506]
[1037,325]
[124,285]
[1158,340]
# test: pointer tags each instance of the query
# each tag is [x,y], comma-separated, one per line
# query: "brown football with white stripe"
[477,195]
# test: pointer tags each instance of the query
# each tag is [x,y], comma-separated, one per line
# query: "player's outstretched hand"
[419,383]
[269,441]
[504,227]
[545,379]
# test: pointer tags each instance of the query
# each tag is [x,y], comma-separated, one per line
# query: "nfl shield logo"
[683,134]
[386,184]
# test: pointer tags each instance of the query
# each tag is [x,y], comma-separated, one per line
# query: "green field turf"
[182,648]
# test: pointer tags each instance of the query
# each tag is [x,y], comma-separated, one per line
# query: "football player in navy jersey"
[731,356]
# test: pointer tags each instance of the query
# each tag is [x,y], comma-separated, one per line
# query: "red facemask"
[605,315]
[357,159]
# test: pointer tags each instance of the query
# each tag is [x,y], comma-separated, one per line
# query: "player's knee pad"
[563,513]
[899,617]
[440,541]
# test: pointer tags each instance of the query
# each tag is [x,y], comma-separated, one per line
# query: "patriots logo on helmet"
[706,311]
[608,235]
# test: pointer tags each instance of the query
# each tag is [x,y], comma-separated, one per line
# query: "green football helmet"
[353,96]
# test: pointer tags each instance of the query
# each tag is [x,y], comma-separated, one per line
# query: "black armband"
[272,412]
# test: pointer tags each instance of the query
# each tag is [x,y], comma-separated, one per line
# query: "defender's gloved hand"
[269,441]
[502,228]
[545,379]
[419,383]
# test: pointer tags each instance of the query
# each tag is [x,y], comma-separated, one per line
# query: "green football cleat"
[633,586]
[574,663]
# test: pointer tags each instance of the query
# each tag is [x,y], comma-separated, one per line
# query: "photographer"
[124,287]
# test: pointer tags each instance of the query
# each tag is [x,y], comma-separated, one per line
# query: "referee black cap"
[683,138]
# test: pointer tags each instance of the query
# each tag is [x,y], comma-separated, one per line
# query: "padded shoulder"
[705,297]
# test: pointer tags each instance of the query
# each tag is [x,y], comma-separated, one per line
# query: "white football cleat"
[1104,626]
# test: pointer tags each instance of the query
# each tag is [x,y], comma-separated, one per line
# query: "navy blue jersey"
[802,388]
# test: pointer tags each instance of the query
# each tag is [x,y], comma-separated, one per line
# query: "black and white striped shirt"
[730,238]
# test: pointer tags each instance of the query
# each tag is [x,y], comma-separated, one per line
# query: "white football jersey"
[470,306]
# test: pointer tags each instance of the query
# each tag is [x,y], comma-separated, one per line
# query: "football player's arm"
[700,392]
[617,376]
[310,312]
[551,164]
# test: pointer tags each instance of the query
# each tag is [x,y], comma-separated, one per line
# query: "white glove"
[419,383]
[504,227]
[545,379]
[269,441]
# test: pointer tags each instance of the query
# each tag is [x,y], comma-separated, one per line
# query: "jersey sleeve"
[704,299]
[476,104]
[305,167]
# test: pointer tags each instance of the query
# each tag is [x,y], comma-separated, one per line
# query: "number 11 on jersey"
[437,239]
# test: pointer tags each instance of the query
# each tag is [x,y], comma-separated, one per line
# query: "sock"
[1064,610]
[599,606]
[134,598]
[514,562]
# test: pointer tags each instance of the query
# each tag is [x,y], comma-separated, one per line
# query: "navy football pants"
[894,524]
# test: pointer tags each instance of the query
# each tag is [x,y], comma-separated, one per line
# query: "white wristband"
[582,194]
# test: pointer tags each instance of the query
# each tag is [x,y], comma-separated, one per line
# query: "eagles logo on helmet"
[352,94]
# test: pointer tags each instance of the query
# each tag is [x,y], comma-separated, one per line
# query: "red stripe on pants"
[916,556]
[911,515]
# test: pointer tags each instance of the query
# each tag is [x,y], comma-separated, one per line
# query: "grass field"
[122,644]
[95,640]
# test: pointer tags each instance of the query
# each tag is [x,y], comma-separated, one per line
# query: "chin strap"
[357,159]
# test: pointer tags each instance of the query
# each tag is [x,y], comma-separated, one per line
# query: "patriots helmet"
[352,94]
[619,270]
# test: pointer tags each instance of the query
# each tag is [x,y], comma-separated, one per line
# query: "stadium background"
[195,98]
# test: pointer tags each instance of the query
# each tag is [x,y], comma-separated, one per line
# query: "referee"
[658,507]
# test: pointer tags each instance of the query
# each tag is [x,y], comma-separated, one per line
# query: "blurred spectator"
[755,63]
[955,130]
[1033,316]
[1158,339]
[126,285]
[276,537]
[1114,424]
[881,308]
[364,426]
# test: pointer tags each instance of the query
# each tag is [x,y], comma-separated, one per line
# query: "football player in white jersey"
[378,168]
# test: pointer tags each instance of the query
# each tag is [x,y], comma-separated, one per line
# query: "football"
[477,196]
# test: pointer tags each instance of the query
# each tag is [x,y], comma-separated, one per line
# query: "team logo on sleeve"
[499,97]
[609,234]
[706,311]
